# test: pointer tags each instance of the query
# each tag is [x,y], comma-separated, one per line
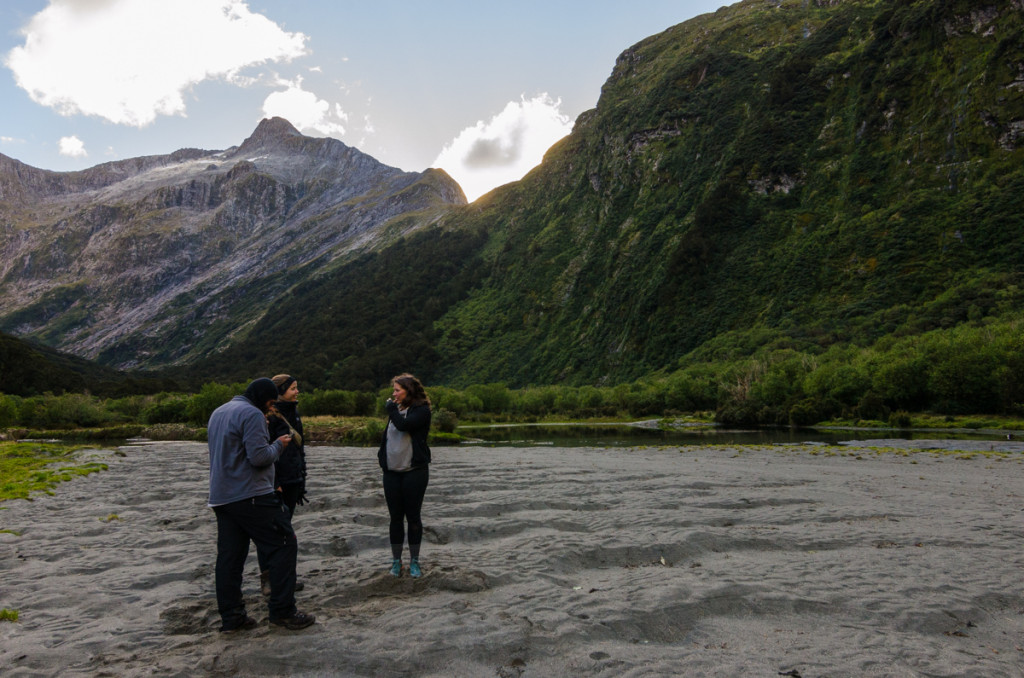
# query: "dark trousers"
[404,493]
[289,495]
[265,521]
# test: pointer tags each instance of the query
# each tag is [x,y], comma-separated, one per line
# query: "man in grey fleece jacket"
[247,508]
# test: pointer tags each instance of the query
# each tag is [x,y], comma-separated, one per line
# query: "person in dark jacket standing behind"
[290,468]
[404,458]
[247,508]
[284,419]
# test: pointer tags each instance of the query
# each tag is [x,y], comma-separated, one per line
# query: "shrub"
[804,413]
[810,411]
[964,379]
[371,433]
[166,409]
[780,380]
[535,400]
[8,410]
[444,420]
[901,380]
[210,397]
[647,402]
[591,398]
[899,419]
[494,398]
[455,401]
[696,388]
[334,402]
[737,413]
[567,400]
[130,407]
[837,380]
[64,411]
[871,406]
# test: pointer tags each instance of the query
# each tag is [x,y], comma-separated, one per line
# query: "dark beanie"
[260,391]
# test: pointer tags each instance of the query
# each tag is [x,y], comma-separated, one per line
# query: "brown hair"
[415,394]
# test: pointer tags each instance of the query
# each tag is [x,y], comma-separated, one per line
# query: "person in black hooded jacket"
[290,468]
[284,419]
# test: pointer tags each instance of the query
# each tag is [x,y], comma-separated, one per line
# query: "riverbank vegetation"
[971,376]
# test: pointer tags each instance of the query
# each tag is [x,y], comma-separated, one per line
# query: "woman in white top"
[404,458]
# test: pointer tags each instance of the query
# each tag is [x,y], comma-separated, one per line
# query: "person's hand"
[284,440]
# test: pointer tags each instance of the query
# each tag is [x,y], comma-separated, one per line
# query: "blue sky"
[479,88]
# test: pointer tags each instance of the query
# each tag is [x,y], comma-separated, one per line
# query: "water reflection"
[627,435]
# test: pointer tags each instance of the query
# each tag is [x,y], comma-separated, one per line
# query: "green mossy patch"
[28,467]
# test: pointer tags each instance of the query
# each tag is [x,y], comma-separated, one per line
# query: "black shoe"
[299,620]
[299,586]
[247,624]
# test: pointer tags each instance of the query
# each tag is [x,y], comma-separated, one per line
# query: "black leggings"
[404,493]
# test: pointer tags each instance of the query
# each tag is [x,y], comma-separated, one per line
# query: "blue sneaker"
[396,567]
[414,568]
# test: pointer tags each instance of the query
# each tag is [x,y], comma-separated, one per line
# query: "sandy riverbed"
[697,561]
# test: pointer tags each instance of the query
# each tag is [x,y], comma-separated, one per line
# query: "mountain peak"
[270,132]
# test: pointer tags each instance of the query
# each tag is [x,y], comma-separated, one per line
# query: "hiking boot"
[396,567]
[299,620]
[414,568]
[247,623]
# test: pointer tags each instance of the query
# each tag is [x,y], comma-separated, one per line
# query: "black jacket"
[416,423]
[290,468]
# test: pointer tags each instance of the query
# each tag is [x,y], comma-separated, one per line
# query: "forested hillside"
[798,175]
[30,369]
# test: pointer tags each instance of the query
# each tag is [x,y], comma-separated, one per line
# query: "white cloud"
[504,149]
[303,109]
[129,61]
[72,147]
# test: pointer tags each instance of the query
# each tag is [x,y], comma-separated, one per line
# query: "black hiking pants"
[267,523]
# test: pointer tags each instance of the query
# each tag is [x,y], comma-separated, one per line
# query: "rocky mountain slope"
[158,260]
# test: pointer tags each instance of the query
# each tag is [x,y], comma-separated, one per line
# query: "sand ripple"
[710,561]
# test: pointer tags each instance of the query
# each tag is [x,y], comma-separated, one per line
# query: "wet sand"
[698,561]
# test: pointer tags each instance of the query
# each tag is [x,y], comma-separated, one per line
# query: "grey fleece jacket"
[241,454]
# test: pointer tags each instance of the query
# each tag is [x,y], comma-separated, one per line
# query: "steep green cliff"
[831,171]
[824,170]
